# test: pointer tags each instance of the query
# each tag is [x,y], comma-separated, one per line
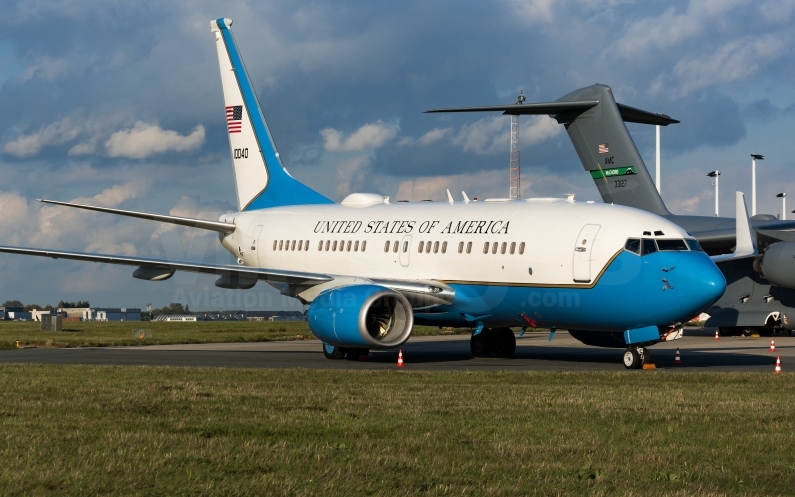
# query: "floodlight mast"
[657,156]
[514,190]
[715,174]
[754,158]
[783,205]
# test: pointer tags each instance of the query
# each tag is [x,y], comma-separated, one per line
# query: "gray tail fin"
[595,123]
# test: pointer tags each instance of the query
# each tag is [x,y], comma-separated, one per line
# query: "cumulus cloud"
[532,11]
[192,206]
[431,136]
[56,133]
[145,139]
[369,136]
[350,175]
[491,134]
[732,61]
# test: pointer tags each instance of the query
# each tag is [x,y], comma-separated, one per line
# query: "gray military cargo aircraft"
[760,292]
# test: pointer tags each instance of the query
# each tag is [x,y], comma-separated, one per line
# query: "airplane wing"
[269,275]
[745,245]
[183,221]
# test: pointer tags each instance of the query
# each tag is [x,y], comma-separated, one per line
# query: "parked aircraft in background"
[760,296]
[369,270]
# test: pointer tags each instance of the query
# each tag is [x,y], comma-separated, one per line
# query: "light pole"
[783,205]
[657,156]
[754,158]
[715,174]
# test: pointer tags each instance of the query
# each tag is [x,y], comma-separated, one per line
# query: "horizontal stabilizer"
[183,221]
[550,108]
[244,272]
[633,115]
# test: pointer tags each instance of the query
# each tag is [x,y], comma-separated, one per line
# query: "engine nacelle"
[778,264]
[153,273]
[366,316]
[236,282]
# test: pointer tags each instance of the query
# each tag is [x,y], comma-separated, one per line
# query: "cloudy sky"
[119,104]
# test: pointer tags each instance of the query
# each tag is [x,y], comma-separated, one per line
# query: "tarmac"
[534,352]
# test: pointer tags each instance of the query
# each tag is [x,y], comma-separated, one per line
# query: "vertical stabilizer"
[607,151]
[261,180]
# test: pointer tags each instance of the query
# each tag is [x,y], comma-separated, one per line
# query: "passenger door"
[583,253]
[405,250]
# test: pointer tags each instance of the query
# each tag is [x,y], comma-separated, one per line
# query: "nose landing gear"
[636,357]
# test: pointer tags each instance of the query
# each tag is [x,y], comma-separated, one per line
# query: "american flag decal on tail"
[234,118]
[603,148]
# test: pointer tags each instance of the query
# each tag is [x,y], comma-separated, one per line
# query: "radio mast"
[514,190]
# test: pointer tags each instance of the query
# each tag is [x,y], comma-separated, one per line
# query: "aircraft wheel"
[632,359]
[504,343]
[333,352]
[645,356]
[482,344]
[355,353]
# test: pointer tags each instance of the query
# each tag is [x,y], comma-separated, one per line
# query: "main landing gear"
[636,357]
[336,353]
[500,342]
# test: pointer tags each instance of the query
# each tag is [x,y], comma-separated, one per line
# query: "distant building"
[176,317]
[72,312]
[37,314]
[14,314]
[112,314]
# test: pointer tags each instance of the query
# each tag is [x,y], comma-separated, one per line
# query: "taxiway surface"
[699,351]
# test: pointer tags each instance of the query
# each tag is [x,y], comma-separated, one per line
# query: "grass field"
[174,431]
[104,334]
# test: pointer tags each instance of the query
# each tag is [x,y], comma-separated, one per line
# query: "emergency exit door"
[583,253]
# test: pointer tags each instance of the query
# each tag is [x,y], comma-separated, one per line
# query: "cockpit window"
[667,245]
[693,244]
[633,245]
[649,247]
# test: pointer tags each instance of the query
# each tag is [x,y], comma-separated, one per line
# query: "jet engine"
[778,264]
[366,316]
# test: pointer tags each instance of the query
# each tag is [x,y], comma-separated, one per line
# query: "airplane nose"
[699,279]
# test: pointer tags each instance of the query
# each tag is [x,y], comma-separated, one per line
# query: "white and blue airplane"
[369,269]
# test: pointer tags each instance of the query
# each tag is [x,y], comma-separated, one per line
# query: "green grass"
[105,334]
[175,431]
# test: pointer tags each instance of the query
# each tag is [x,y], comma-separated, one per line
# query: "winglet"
[466,199]
[746,242]
[450,197]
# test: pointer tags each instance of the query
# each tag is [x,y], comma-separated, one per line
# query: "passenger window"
[469,247]
[419,247]
[300,244]
[274,245]
[280,244]
[444,247]
[386,246]
[521,248]
[356,246]
[513,247]
[342,246]
[328,242]
[486,248]
[494,248]
[671,245]
[395,246]
[405,246]
[348,248]
[364,245]
[649,247]
[320,246]
[306,245]
[633,245]
[460,247]
[334,247]
[503,247]
[435,247]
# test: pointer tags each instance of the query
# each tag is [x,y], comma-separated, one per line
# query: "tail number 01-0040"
[240,153]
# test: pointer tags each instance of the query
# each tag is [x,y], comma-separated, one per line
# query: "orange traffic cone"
[400,359]
[717,337]
[677,359]
[772,345]
[778,365]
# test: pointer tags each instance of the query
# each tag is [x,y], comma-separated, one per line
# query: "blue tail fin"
[261,180]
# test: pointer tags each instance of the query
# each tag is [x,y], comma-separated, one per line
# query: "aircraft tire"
[333,352]
[355,353]
[482,344]
[504,343]
[632,358]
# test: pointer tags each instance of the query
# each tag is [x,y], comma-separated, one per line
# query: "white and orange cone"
[717,337]
[772,345]
[400,359]
[778,365]
[677,359]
